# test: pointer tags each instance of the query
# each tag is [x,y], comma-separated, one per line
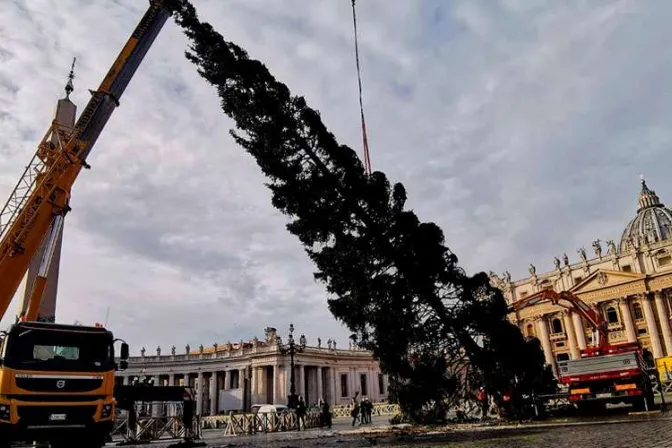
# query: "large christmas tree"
[391,278]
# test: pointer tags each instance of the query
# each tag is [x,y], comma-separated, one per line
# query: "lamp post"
[291,349]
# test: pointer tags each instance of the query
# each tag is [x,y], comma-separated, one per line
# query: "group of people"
[302,410]
[361,411]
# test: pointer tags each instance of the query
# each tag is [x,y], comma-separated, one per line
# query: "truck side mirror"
[123,355]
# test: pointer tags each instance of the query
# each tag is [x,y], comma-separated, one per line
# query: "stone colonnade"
[218,391]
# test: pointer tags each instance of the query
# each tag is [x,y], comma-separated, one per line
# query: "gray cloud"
[519,127]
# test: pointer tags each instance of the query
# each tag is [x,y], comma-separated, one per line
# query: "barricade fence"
[148,429]
[665,386]
[379,409]
[251,423]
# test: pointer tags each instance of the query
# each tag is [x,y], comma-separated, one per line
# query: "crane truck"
[57,382]
[604,373]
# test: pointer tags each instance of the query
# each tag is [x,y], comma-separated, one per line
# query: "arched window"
[557,326]
[529,331]
[637,311]
[612,315]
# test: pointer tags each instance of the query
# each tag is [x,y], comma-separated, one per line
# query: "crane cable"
[365,141]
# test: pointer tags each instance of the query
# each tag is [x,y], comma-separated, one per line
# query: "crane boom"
[43,192]
[569,301]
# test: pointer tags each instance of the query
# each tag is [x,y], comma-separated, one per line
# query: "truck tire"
[590,407]
[90,443]
[96,440]
[638,404]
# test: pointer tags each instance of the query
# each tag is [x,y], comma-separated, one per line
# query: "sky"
[518,126]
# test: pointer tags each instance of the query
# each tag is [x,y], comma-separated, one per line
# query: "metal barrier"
[251,423]
[666,387]
[553,402]
[172,414]
[148,429]
[379,409]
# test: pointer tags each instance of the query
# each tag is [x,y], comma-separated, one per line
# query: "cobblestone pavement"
[622,432]
[654,433]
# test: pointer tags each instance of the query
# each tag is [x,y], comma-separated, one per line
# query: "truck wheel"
[90,443]
[590,407]
[638,404]
[96,440]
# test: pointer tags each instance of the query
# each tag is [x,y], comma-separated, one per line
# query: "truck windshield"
[34,349]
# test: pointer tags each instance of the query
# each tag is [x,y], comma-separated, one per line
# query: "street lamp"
[291,349]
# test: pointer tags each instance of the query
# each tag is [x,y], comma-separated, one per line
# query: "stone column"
[652,327]
[125,380]
[199,394]
[244,392]
[254,386]
[156,409]
[319,385]
[335,385]
[372,385]
[275,385]
[664,317]
[170,408]
[571,335]
[213,393]
[542,329]
[301,390]
[288,376]
[627,319]
[579,331]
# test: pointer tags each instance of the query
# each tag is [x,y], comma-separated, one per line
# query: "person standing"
[301,413]
[364,410]
[326,414]
[354,412]
[482,398]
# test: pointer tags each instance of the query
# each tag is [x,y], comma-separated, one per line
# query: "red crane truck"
[604,373]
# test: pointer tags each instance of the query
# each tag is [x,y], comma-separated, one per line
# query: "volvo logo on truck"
[60,384]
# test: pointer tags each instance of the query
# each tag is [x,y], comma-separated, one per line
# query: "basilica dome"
[653,222]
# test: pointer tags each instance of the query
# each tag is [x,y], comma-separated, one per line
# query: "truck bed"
[600,366]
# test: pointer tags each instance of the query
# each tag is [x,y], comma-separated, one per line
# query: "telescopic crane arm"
[569,301]
[40,199]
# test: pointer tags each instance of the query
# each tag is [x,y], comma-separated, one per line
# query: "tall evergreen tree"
[390,277]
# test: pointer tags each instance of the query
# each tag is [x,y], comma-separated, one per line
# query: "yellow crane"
[54,378]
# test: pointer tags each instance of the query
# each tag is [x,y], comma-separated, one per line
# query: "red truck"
[612,374]
[605,373]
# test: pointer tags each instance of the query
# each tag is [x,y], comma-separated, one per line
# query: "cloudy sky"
[519,126]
